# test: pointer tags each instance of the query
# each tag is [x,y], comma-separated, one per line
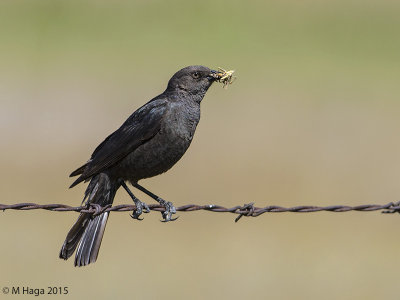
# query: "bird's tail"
[88,230]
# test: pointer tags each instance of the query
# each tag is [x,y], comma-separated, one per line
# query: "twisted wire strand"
[248,210]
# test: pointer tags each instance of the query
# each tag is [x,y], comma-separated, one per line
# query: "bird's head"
[193,80]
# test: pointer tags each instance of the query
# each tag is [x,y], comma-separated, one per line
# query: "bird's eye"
[196,75]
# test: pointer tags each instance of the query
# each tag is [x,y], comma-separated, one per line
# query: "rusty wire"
[248,210]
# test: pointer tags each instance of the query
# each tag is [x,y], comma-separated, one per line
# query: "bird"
[148,143]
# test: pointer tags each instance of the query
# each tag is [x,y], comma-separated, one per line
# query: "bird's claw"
[170,219]
[139,210]
[168,212]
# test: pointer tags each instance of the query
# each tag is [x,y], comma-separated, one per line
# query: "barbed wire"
[247,210]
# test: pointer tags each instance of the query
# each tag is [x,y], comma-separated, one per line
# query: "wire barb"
[247,210]
[395,208]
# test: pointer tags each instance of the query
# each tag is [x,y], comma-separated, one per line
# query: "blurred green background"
[313,119]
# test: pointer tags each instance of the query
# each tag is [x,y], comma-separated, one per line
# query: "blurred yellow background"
[313,119]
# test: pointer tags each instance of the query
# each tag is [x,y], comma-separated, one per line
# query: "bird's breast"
[181,122]
[161,152]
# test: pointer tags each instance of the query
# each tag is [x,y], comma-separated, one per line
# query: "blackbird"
[147,144]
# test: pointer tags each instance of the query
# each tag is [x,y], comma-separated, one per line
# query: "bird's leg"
[139,204]
[169,207]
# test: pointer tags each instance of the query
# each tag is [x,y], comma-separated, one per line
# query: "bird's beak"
[213,75]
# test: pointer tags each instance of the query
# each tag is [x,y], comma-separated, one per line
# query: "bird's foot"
[169,210]
[139,210]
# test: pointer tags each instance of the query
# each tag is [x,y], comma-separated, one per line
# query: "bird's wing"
[140,127]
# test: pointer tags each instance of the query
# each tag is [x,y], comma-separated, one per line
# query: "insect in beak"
[225,77]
